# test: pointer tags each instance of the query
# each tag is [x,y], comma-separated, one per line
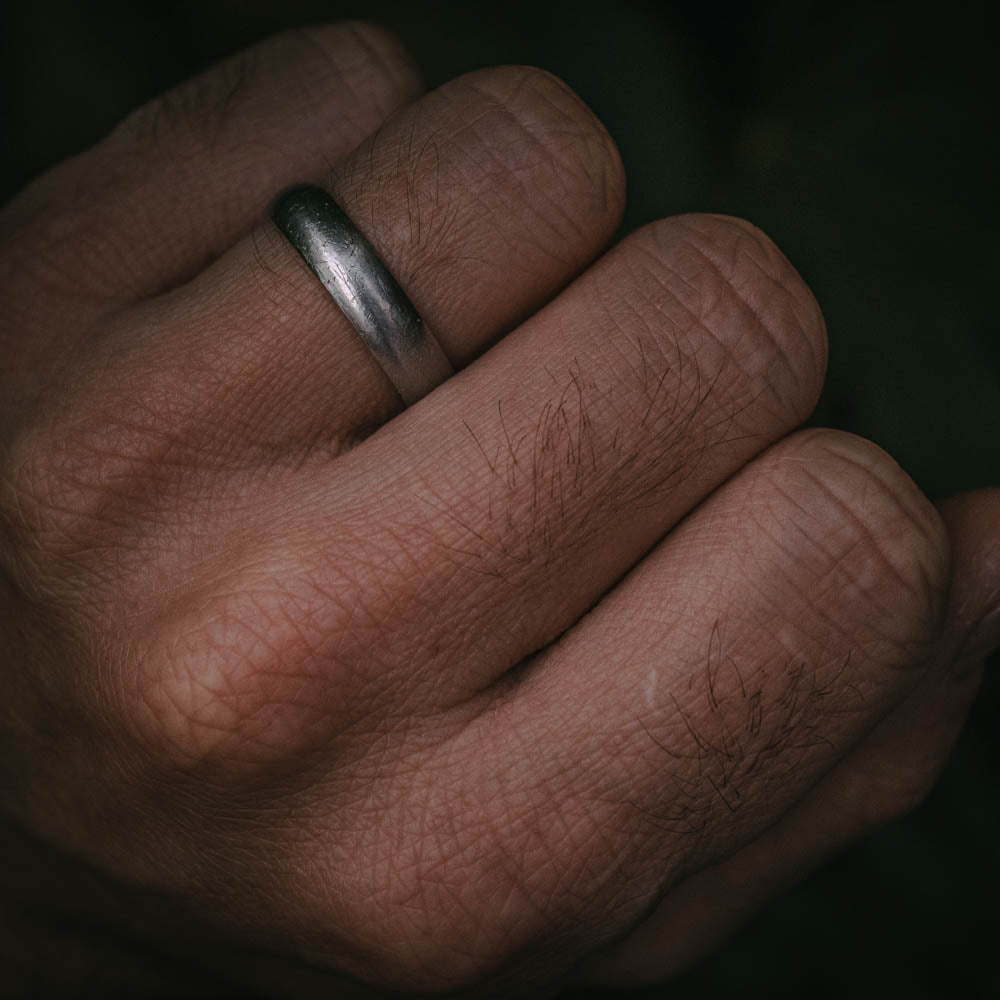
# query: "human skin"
[554,675]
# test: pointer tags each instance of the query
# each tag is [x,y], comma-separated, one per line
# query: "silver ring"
[361,285]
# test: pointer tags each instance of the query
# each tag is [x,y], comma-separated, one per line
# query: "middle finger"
[482,523]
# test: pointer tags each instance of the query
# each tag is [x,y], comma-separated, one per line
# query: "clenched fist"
[551,676]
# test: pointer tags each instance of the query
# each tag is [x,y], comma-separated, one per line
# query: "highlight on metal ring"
[361,285]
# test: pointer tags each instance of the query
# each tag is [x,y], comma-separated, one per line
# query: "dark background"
[861,138]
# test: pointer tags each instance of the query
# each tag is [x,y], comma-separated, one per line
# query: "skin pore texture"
[552,677]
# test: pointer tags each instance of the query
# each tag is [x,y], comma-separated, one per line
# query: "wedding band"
[361,285]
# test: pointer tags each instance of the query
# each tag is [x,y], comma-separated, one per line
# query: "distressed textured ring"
[361,285]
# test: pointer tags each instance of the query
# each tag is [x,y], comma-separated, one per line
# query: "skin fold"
[550,678]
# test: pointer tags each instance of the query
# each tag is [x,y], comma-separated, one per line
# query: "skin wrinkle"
[139,551]
[514,841]
[815,598]
[528,190]
[612,175]
[794,291]
[917,510]
[436,886]
[397,67]
[68,489]
[698,319]
[382,664]
[925,585]
[509,173]
[778,536]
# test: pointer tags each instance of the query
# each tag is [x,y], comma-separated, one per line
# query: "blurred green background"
[863,139]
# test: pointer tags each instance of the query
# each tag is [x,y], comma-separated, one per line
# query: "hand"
[323,671]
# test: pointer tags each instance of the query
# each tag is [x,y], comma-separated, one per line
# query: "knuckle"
[370,59]
[532,121]
[42,498]
[867,520]
[240,679]
[460,908]
[77,477]
[278,654]
[469,873]
[719,285]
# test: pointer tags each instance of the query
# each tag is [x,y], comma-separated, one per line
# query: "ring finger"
[483,199]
